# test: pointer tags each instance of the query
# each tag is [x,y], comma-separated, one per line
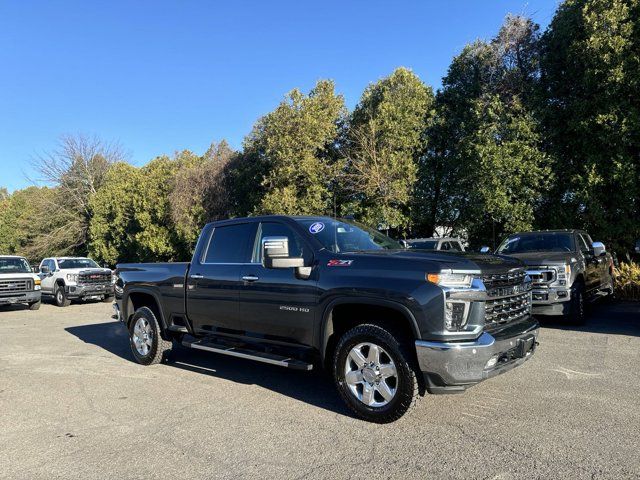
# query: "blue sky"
[161,76]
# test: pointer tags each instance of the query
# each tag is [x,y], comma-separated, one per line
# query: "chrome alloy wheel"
[142,336]
[371,375]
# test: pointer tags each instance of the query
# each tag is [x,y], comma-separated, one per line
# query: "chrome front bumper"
[81,291]
[454,366]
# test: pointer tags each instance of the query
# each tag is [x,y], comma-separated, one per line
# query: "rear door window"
[229,244]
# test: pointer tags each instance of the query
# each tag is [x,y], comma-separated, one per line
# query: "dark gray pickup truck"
[300,292]
[567,269]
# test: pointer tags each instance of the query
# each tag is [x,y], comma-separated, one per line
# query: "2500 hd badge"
[391,327]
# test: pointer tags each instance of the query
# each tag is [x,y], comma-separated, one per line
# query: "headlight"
[564,273]
[455,315]
[451,279]
[72,277]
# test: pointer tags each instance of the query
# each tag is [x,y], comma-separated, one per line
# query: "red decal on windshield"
[339,263]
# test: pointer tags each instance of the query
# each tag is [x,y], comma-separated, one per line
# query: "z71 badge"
[339,263]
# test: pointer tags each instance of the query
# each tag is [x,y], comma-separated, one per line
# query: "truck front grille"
[94,278]
[508,298]
[542,277]
[18,285]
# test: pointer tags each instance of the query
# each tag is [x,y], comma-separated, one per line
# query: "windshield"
[425,245]
[14,265]
[537,242]
[341,236]
[67,263]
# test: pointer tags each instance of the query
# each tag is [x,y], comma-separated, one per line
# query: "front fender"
[326,323]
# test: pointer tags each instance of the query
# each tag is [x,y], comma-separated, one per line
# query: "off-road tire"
[160,348]
[60,298]
[408,387]
[578,308]
[35,305]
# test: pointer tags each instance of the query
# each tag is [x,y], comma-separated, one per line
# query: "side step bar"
[240,352]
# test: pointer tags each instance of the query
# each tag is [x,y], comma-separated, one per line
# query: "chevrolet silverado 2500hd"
[566,267]
[299,292]
[18,283]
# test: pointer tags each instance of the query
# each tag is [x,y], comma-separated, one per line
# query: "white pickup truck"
[18,283]
[75,278]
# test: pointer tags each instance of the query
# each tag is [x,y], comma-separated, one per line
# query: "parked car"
[447,244]
[75,278]
[301,292]
[567,269]
[18,283]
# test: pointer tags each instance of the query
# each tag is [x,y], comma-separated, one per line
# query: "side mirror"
[275,253]
[484,249]
[44,269]
[598,249]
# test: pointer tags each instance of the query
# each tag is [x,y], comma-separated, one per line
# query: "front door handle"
[197,276]
[250,278]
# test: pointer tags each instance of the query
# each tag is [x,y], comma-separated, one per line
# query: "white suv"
[71,278]
[18,283]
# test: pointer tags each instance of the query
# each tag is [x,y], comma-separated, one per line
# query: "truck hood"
[534,259]
[17,276]
[85,270]
[486,263]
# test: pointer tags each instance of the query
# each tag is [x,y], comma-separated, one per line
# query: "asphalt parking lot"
[73,404]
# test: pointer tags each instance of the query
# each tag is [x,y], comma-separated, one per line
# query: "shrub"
[627,281]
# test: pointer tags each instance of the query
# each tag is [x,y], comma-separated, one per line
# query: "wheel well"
[138,300]
[344,317]
[60,282]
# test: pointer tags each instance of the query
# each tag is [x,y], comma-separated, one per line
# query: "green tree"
[485,142]
[289,159]
[202,192]
[591,111]
[510,171]
[25,221]
[132,213]
[384,140]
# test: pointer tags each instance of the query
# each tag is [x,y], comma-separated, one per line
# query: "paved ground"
[74,405]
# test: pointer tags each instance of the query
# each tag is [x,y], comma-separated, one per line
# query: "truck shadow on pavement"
[622,318]
[315,387]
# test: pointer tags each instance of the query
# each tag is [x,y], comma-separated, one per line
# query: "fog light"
[562,294]
[455,315]
[492,361]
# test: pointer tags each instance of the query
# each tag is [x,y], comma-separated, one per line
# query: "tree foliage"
[529,129]
[485,169]
[591,112]
[291,152]
[384,140]
[76,170]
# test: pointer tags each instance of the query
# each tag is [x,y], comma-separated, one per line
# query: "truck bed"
[165,281]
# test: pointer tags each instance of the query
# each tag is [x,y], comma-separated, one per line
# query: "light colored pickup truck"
[75,278]
[18,283]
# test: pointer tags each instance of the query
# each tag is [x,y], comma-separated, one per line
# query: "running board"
[239,352]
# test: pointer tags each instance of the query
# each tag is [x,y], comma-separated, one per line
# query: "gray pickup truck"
[567,269]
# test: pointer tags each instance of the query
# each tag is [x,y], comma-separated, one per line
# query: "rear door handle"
[197,276]
[250,278]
